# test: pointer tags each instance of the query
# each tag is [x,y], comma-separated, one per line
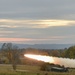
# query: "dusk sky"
[37,21]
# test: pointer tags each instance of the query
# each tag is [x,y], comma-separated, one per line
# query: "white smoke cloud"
[55,60]
[64,61]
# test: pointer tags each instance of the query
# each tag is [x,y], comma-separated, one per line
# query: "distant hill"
[43,46]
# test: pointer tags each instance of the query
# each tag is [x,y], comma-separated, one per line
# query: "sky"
[37,21]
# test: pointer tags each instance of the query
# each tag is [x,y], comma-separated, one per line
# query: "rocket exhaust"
[55,60]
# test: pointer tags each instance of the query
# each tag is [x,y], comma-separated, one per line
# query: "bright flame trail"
[40,58]
[61,61]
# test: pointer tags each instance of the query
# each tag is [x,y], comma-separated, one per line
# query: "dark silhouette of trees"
[7,51]
[11,53]
[70,52]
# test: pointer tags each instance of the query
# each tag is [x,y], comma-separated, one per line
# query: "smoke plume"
[55,60]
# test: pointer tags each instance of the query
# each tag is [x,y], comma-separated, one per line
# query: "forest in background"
[11,54]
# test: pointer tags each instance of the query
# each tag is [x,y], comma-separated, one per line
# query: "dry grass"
[28,70]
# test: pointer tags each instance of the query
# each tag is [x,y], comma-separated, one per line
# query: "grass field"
[28,70]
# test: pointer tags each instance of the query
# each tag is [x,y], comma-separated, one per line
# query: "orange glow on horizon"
[40,58]
[14,39]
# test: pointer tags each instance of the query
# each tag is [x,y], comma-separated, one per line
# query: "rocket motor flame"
[40,58]
[55,60]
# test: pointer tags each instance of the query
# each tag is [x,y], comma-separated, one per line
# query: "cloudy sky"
[37,21]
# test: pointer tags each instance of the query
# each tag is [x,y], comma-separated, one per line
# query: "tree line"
[11,54]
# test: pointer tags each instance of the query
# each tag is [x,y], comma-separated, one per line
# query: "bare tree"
[11,52]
